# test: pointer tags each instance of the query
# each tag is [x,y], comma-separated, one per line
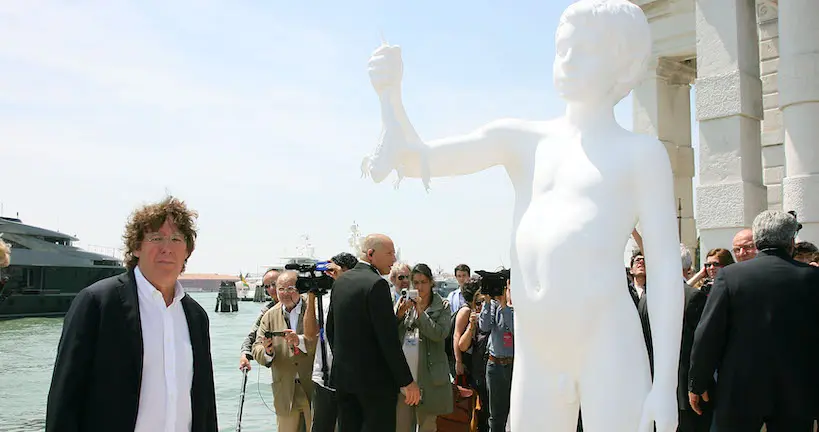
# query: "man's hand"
[244,363]
[459,368]
[660,407]
[412,394]
[386,68]
[291,338]
[268,345]
[694,400]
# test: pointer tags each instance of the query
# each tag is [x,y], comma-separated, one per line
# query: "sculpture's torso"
[570,232]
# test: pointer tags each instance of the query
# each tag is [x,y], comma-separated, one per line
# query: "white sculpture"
[581,185]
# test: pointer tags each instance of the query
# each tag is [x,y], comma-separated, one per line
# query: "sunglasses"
[402,277]
[712,265]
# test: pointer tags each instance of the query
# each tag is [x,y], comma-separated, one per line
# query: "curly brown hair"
[150,217]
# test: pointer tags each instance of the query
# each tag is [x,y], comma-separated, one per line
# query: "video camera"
[493,284]
[312,277]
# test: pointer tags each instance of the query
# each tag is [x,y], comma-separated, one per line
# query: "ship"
[47,270]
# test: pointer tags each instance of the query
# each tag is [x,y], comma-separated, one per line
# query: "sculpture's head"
[602,49]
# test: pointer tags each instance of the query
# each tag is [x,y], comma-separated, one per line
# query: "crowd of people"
[393,347]
[382,350]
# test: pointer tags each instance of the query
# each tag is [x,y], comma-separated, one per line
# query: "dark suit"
[760,329]
[369,365]
[98,371]
[689,421]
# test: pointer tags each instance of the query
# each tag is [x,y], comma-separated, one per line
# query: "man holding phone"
[281,346]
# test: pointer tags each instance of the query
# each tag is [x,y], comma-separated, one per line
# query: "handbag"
[460,419]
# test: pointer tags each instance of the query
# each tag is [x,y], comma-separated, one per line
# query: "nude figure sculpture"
[581,184]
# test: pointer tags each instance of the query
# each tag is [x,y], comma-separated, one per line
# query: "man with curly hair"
[134,354]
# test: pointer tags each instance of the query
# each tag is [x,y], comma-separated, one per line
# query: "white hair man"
[764,305]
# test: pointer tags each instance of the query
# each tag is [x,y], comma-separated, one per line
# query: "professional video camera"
[493,284]
[312,277]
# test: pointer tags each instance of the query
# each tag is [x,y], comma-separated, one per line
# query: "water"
[28,348]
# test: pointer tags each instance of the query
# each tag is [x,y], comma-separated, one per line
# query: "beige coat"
[286,364]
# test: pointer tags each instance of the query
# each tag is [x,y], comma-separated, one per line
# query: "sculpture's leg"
[615,379]
[543,397]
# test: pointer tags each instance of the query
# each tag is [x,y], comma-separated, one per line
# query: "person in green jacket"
[423,325]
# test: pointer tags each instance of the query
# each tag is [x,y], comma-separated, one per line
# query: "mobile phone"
[270,335]
[412,294]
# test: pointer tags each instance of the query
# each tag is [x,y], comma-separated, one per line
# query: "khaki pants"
[301,406]
[406,419]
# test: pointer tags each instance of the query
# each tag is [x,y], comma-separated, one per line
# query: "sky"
[258,115]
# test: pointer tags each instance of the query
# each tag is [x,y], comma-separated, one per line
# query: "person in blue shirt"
[456,298]
[498,319]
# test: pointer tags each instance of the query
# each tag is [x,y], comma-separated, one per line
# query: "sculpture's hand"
[386,68]
[660,407]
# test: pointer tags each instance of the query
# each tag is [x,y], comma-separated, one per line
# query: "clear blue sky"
[258,114]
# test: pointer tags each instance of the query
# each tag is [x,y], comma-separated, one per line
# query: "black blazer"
[98,371]
[760,329]
[363,333]
[694,303]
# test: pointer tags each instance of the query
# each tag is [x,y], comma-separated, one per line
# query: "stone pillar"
[729,109]
[662,108]
[799,102]
[773,135]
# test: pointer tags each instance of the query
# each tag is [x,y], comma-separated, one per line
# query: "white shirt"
[317,375]
[167,361]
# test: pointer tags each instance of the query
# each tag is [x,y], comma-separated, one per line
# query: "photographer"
[281,346]
[498,318]
[470,347]
[423,325]
[325,406]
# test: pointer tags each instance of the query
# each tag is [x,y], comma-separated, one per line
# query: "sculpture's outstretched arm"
[664,284]
[401,148]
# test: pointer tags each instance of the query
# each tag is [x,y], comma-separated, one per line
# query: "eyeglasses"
[268,286]
[712,265]
[402,277]
[289,289]
[744,248]
[156,239]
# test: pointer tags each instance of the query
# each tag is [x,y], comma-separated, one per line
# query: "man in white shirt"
[325,406]
[281,346]
[135,349]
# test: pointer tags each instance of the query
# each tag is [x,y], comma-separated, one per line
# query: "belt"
[501,360]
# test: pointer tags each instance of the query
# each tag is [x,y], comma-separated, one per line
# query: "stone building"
[754,65]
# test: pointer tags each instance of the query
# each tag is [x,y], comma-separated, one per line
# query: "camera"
[312,277]
[493,284]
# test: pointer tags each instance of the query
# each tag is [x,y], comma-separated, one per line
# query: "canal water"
[28,348]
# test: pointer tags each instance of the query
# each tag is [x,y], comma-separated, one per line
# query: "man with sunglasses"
[269,284]
[281,346]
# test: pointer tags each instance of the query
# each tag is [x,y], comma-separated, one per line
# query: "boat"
[46,271]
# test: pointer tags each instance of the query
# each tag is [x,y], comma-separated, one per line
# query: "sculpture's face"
[585,66]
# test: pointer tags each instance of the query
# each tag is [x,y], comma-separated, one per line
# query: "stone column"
[662,108]
[799,102]
[729,108]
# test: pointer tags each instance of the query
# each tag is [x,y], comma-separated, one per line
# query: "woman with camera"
[470,348]
[423,325]
[498,319]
